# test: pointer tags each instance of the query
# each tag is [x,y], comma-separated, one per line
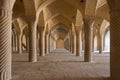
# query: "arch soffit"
[63,26]
[67,26]
[17,26]
[58,15]
[74,3]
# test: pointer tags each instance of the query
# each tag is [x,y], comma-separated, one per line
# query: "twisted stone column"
[5,44]
[115,44]
[88,21]
[19,44]
[70,41]
[72,37]
[54,44]
[47,43]
[93,47]
[100,43]
[42,42]
[32,41]
[92,39]
[74,43]
[78,44]
[5,38]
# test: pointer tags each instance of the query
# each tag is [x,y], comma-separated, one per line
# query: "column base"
[88,57]
[72,52]
[33,58]
[32,61]
[42,55]
[20,53]
[47,53]
[100,52]
[90,61]
[78,55]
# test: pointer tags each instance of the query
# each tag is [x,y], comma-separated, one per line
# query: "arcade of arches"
[77,35]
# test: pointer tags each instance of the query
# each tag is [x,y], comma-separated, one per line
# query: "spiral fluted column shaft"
[32,42]
[92,39]
[72,37]
[47,43]
[69,47]
[100,44]
[78,40]
[74,43]
[19,44]
[5,44]
[42,42]
[88,35]
[71,43]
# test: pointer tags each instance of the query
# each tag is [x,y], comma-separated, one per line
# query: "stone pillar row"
[74,43]
[47,43]
[100,37]
[72,37]
[19,44]
[71,42]
[88,21]
[32,41]
[78,45]
[5,44]
[42,42]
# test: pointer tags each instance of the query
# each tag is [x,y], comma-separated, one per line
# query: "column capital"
[42,29]
[73,29]
[88,19]
[7,4]
[78,28]
[31,19]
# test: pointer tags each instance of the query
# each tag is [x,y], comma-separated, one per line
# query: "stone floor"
[61,66]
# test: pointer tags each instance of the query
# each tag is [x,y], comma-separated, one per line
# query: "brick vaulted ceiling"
[51,13]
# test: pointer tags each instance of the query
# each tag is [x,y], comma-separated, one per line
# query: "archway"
[60,43]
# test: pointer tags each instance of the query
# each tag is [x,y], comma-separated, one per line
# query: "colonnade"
[5,40]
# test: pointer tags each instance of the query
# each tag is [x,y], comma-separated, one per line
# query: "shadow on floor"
[64,79]
[82,79]
[21,61]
